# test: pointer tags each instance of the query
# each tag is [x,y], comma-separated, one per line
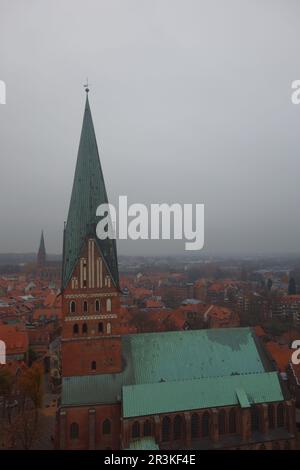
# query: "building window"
[106,427]
[254,418]
[84,328]
[222,422]
[280,416]
[147,428]
[108,328]
[74,431]
[72,306]
[85,307]
[75,329]
[232,421]
[271,416]
[205,424]
[287,445]
[177,427]
[275,446]
[97,306]
[108,305]
[135,432]
[166,426]
[100,327]
[194,425]
[93,365]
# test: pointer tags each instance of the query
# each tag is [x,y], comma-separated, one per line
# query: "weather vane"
[87,85]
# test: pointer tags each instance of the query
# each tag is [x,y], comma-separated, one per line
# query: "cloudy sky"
[191,101]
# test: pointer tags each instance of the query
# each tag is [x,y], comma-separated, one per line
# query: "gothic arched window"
[74,431]
[195,425]
[205,424]
[254,418]
[85,307]
[108,328]
[271,416]
[108,305]
[100,327]
[75,329]
[135,431]
[177,427]
[84,328]
[106,426]
[166,427]
[147,428]
[232,421]
[72,306]
[222,422]
[280,416]
[97,306]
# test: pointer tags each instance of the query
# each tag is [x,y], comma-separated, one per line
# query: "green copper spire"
[87,194]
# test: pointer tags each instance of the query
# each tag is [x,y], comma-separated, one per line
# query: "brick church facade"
[205,389]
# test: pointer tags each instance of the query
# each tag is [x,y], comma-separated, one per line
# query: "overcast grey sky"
[191,103]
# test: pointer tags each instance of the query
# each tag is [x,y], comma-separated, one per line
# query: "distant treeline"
[14,259]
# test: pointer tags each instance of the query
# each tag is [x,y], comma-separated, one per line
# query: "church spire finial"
[86,86]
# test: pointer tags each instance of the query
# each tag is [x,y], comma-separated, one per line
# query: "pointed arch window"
[100,327]
[106,427]
[205,424]
[97,306]
[194,425]
[75,329]
[108,305]
[177,427]
[222,422]
[280,416]
[271,416]
[232,421]
[74,431]
[84,328]
[166,427]
[108,328]
[72,306]
[147,428]
[85,307]
[135,431]
[254,418]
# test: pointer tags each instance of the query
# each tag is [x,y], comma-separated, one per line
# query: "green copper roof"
[164,397]
[183,355]
[167,357]
[242,398]
[87,194]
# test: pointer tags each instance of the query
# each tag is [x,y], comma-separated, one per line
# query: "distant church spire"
[87,194]
[41,257]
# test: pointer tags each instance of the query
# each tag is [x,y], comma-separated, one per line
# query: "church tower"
[91,342]
[41,256]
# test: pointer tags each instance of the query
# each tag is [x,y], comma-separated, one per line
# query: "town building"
[197,389]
